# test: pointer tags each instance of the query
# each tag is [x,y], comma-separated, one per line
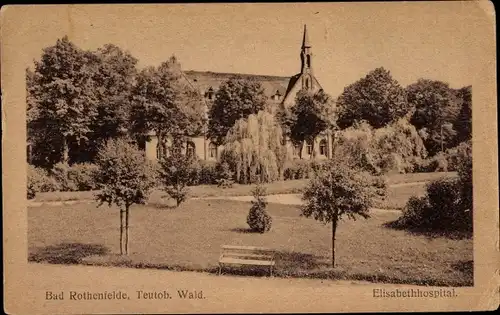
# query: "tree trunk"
[65,153]
[126,228]
[121,232]
[301,149]
[159,145]
[313,145]
[334,230]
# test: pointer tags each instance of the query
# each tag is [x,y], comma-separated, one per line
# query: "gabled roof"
[206,79]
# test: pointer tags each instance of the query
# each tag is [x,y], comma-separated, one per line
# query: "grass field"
[189,238]
[397,196]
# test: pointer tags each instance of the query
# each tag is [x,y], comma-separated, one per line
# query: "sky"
[412,40]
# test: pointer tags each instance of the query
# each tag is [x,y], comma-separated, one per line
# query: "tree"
[337,192]
[463,124]
[312,114]
[236,99]
[175,174]
[435,111]
[115,76]
[254,149]
[164,102]
[377,98]
[396,147]
[62,92]
[125,178]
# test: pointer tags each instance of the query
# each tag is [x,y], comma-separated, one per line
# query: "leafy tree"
[258,219]
[436,110]
[377,98]
[463,125]
[236,99]
[254,149]
[394,148]
[340,191]
[125,178]
[164,102]
[62,93]
[312,114]
[114,77]
[175,174]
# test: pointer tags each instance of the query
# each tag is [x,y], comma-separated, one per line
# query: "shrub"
[394,148]
[194,170]
[60,172]
[175,175]
[447,205]
[39,181]
[258,219]
[83,175]
[302,169]
[77,177]
[208,173]
[225,175]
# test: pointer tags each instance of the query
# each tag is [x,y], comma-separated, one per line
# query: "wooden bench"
[246,255]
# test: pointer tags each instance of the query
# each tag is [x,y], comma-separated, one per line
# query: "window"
[322,147]
[210,93]
[307,83]
[296,149]
[212,150]
[190,148]
[309,147]
[309,61]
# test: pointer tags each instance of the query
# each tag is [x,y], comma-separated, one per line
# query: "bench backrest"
[247,252]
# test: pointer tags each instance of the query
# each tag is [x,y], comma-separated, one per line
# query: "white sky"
[412,40]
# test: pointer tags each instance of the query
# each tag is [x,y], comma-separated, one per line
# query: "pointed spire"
[305,40]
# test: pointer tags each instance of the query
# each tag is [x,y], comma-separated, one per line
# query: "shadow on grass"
[244,231]
[427,232]
[162,206]
[66,253]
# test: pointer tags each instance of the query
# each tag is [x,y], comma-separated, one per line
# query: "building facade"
[280,91]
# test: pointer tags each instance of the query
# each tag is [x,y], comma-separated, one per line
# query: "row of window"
[212,149]
[309,148]
[191,149]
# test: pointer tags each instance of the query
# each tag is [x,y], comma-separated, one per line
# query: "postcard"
[248,158]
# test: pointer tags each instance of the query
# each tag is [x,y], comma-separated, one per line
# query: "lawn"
[281,187]
[189,238]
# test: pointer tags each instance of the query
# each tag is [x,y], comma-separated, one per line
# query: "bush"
[258,219]
[302,169]
[39,181]
[175,175]
[224,175]
[447,205]
[77,177]
[395,148]
[208,173]
[83,175]
[448,161]
[60,172]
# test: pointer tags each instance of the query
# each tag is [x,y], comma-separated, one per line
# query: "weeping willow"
[254,149]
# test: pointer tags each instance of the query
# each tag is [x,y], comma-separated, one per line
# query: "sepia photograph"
[250,157]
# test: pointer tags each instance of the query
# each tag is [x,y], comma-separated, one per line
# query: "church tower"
[304,80]
[306,62]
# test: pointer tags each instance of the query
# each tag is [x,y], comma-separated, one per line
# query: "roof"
[305,39]
[206,79]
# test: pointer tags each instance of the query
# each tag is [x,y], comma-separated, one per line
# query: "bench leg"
[271,270]
[220,269]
